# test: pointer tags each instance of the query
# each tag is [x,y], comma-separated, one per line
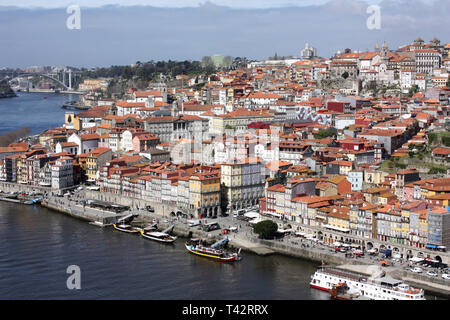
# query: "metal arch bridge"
[40,74]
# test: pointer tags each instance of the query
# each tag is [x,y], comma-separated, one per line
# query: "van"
[193,223]
[239,213]
[211,226]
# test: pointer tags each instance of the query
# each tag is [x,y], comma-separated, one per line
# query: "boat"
[69,105]
[341,291]
[377,287]
[100,224]
[158,236]
[151,233]
[34,201]
[124,224]
[195,246]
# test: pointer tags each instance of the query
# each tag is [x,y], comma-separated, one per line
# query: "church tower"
[175,111]
[385,54]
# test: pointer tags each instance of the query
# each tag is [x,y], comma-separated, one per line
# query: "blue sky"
[35,32]
[168,3]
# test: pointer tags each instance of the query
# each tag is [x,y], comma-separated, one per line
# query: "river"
[37,111]
[38,245]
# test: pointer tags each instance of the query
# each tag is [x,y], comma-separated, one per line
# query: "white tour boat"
[378,287]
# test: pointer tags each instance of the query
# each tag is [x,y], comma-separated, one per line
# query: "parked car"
[193,223]
[416,270]
[432,273]
[446,276]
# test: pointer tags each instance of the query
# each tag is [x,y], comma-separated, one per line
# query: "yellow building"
[71,121]
[204,194]
[339,218]
[96,160]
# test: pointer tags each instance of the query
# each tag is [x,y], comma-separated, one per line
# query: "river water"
[38,245]
[37,111]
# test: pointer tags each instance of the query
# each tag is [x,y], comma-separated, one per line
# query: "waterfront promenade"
[245,238]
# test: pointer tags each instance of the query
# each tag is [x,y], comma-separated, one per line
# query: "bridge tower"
[70,79]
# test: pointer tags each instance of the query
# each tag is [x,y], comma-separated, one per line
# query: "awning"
[337,244]
[284,230]
[251,214]
[336,228]
[432,246]
[275,214]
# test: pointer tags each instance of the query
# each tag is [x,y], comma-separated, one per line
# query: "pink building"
[144,142]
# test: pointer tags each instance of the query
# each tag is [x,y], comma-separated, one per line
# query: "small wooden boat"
[151,233]
[123,224]
[100,224]
[158,236]
[126,228]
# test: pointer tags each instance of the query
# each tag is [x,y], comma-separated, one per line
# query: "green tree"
[265,229]
[325,133]
[432,137]
[413,90]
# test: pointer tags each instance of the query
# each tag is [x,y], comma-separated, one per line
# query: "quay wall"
[166,209]
[17,187]
[434,285]
[255,245]
[161,208]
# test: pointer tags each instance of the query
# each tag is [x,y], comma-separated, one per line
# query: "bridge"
[68,77]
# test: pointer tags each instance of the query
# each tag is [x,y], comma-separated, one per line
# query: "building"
[62,173]
[204,194]
[95,161]
[242,184]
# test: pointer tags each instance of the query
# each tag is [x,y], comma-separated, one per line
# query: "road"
[244,233]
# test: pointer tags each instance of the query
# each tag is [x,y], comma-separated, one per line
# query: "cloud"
[167,3]
[123,35]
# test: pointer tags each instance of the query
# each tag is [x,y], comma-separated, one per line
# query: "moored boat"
[194,246]
[376,287]
[151,233]
[124,224]
[125,228]
[158,236]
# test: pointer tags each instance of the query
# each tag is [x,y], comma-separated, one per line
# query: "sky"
[119,32]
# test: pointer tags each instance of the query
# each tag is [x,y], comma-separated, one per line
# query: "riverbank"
[247,241]
[8,95]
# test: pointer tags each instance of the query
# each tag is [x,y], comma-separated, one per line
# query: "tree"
[324,133]
[413,90]
[345,75]
[265,229]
